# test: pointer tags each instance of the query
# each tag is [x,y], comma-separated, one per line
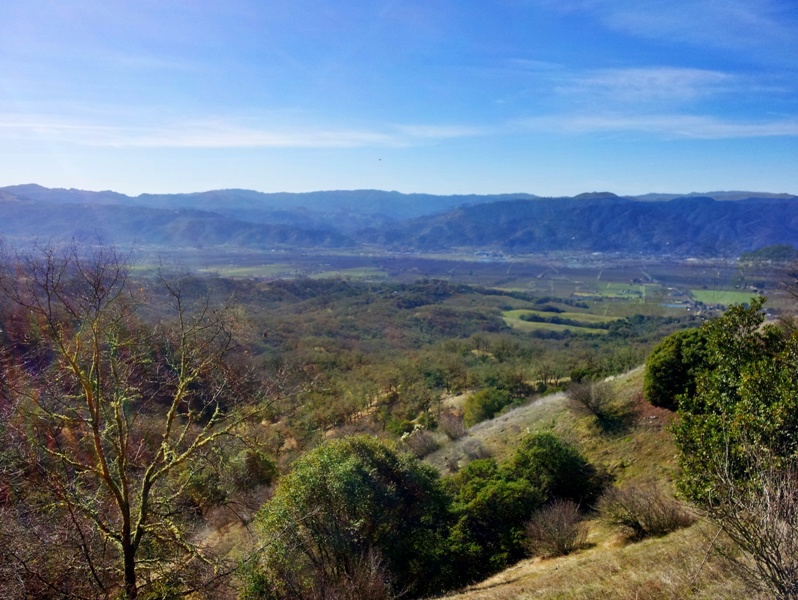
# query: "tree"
[490,509]
[745,397]
[556,467]
[493,501]
[353,519]
[109,417]
[737,438]
[672,368]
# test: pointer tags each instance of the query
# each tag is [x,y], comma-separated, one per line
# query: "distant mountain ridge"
[718,223]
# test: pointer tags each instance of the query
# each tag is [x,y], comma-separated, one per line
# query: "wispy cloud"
[756,28]
[440,131]
[667,126]
[220,133]
[649,85]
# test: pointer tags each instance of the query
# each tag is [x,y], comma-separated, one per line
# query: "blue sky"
[550,97]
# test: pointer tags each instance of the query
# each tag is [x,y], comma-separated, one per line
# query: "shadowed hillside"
[701,226]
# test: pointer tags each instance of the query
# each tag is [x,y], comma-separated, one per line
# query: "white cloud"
[439,131]
[761,29]
[669,126]
[650,85]
[219,133]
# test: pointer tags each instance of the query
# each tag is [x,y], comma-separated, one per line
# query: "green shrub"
[672,368]
[348,505]
[555,467]
[492,501]
[485,404]
[488,535]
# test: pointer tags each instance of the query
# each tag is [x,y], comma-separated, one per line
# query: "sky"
[547,97]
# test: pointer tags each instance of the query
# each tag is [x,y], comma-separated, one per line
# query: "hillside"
[676,565]
[722,224]
[694,226]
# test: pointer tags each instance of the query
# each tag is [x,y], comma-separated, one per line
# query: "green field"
[265,270]
[358,273]
[528,326]
[725,298]
[586,318]
[513,319]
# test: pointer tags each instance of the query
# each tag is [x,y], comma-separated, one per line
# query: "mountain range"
[709,224]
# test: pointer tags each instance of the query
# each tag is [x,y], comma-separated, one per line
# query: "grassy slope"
[640,449]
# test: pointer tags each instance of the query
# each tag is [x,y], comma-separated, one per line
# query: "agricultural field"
[353,274]
[584,323]
[722,297]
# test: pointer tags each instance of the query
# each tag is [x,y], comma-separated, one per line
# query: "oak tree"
[108,417]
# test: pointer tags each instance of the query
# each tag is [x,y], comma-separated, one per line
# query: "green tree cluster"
[746,397]
[348,505]
[492,501]
[737,437]
[354,513]
[673,366]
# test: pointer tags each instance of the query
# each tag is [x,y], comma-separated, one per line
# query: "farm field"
[531,326]
[723,297]
[577,322]
[610,286]
[356,273]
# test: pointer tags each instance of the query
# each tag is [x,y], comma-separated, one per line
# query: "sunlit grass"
[358,273]
[585,317]
[724,297]
[512,318]
[265,270]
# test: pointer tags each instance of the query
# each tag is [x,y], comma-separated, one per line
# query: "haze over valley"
[320,300]
[714,225]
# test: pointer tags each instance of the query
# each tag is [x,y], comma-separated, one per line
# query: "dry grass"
[676,566]
[642,450]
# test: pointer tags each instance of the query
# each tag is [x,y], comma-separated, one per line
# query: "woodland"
[168,434]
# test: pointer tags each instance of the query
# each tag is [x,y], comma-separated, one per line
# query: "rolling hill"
[721,224]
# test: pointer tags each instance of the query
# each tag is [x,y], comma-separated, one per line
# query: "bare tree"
[643,511]
[110,416]
[556,529]
[760,515]
[596,396]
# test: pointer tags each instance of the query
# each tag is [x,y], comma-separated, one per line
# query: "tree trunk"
[131,589]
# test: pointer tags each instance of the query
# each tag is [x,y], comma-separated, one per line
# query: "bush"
[556,530]
[420,442]
[452,423]
[338,511]
[490,510]
[643,511]
[251,468]
[596,397]
[493,501]
[555,467]
[485,404]
[672,368]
